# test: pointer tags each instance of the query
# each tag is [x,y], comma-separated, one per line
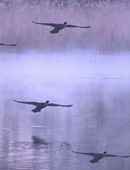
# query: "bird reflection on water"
[38,141]
[28,155]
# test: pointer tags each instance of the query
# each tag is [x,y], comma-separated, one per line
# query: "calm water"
[98,86]
[99,121]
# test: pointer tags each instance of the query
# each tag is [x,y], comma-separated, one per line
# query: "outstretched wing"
[52,104]
[48,24]
[91,154]
[8,44]
[2,44]
[33,103]
[109,155]
[74,26]
[11,45]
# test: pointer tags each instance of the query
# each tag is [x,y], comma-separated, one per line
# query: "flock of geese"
[41,105]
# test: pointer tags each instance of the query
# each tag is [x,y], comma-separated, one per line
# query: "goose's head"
[104,152]
[65,23]
[47,101]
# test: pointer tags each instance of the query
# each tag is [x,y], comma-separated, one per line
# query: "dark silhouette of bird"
[58,27]
[10,45]
[41,105]
[39,141]
[99,156]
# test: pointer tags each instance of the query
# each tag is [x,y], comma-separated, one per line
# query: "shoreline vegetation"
[109,31]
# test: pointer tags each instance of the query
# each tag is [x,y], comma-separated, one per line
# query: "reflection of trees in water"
[100,111]
[5,150]
[7,2]
[54,2]
[9,135]
[5,138]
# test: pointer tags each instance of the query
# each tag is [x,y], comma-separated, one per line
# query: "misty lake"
[86,68]
[98,121]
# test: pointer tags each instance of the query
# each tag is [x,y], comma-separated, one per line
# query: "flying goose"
[99,156]
[58,27]
[41,105]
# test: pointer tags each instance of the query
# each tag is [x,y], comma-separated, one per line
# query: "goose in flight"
[11,45]
[41,105]
[99,156]
[58,27]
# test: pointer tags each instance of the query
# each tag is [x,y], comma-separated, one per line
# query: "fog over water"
[86,68]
